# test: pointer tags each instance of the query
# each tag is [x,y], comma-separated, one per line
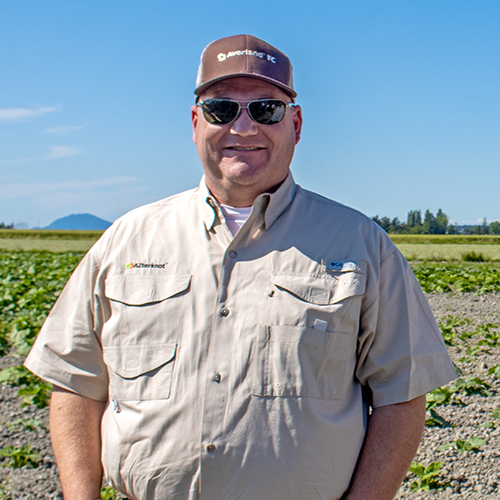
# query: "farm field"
[58,246]
[446,239]
[414,247]
[460,451]
[45,240]
[45,234]
[447,251]
[437,247]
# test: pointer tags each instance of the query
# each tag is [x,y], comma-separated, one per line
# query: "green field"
[446,239]
[46,234]
[442,252]
[46,240]
[415,247]
[446,247]
[59,246]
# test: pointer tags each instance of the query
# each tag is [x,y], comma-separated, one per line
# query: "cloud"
[18,113]
[27,190]
[61,152]
[63,130]
[53,153]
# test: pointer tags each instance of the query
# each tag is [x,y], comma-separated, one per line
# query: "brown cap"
[244,55]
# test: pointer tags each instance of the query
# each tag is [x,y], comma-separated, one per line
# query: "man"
[244,340]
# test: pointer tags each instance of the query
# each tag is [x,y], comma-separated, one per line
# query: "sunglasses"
[262,111]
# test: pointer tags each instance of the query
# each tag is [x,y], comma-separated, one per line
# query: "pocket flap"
[323,290]
[136,290]
[133,360]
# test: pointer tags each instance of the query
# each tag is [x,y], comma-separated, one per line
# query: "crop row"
[469,343]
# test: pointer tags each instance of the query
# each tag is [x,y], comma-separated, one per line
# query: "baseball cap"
[244,55]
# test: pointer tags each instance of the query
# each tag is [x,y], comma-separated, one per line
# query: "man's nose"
[244,125]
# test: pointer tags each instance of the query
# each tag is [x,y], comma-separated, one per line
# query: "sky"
[400,98]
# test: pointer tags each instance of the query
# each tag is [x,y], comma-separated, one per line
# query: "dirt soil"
[470,475]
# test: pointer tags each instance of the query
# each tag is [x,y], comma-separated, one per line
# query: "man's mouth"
[244,148]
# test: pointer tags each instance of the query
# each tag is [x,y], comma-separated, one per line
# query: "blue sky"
[401,101]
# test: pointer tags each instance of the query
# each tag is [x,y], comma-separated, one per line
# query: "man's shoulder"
[144,223]
[333,208]
[160,207]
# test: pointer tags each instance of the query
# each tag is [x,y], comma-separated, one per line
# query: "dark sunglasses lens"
[220,112]
[267,112]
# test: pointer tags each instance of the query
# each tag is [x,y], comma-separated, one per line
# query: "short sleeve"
[67,351]
[401,353]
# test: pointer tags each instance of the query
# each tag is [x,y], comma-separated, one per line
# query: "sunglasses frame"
[240,107]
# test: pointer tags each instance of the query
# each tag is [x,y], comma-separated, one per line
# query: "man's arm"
[75,429]
[391,441]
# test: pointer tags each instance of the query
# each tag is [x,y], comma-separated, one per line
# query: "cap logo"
[222,57]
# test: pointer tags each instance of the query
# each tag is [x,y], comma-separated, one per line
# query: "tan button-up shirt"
[240,368]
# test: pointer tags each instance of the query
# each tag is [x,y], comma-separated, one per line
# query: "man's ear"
[297,122]
[194,121]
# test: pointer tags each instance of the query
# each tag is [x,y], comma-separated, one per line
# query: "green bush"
[474,257]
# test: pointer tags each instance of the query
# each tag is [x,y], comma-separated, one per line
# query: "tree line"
[432,224]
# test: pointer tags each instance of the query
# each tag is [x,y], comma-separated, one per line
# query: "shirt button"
[224,311]
[233,254]
[210,448]
[216,377]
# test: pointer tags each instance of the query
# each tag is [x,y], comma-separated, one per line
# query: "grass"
[15,240]
[46,234]
[448,251]
[446,239]
[57,246]
[415,247]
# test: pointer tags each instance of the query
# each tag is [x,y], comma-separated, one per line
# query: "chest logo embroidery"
[340,265]
[136,265]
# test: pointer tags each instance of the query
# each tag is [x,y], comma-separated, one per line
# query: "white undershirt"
[235,216]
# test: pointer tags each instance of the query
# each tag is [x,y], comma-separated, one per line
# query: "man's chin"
[241,170]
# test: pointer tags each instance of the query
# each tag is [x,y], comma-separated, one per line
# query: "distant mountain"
[80,221]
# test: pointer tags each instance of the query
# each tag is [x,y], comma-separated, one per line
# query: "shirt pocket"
[139,290]
[301,361]
[140,372]
[323,289]
[294,361]
[145,309]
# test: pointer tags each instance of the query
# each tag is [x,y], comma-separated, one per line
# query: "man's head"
[245,149]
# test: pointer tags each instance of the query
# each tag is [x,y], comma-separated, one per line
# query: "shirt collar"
[278,201]
[271,205]
[208,205]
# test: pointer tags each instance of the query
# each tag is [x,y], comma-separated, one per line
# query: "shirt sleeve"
[67,351]
[401,353]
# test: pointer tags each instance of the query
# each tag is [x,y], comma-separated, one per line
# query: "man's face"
[244,159]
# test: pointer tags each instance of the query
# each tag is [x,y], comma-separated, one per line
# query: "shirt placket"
[217,374]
